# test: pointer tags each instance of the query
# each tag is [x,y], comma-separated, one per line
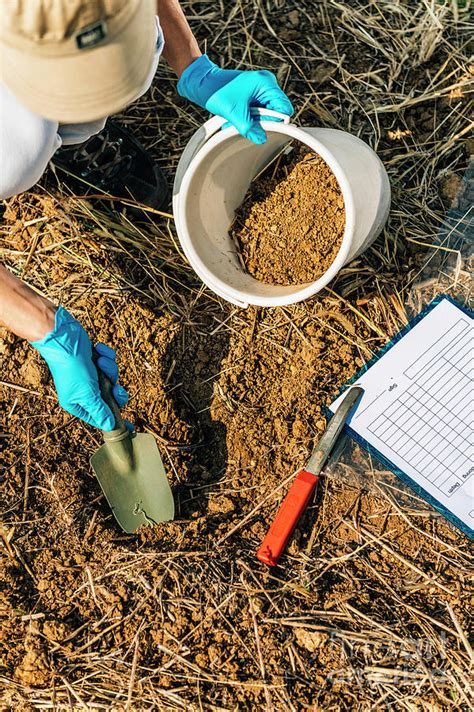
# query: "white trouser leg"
[72,134]
[27,142]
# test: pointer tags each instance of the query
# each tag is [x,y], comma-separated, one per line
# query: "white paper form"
[417,408]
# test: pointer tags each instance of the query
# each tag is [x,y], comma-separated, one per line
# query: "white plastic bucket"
[214,174]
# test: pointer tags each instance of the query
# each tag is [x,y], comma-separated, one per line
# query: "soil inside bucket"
[290,226]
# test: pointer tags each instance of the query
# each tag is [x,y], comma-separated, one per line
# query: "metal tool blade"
[131,472]
[134,482]
[323,449]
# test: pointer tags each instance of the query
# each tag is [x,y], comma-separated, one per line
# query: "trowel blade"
[136,487]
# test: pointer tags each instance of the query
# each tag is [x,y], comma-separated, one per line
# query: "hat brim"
[87,85]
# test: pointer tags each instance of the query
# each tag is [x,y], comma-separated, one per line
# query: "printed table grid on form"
[430,425]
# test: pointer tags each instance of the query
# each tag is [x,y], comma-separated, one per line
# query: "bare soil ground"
[369,609]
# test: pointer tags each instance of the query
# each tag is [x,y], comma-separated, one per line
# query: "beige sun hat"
[75,61]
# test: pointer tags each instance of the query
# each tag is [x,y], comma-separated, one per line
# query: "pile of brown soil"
[290,225]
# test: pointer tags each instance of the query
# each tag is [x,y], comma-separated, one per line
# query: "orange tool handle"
[287,518]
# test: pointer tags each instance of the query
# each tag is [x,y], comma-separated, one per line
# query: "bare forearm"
[22,311]
[181,47]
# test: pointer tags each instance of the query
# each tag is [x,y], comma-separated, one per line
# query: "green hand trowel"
[131,473]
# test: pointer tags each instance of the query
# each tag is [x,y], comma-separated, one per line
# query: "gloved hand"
[68,352]
[230,93]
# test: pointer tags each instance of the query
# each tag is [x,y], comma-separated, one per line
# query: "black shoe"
[114,162]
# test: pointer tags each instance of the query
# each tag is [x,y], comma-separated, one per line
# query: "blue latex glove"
[231,93]
[68,352]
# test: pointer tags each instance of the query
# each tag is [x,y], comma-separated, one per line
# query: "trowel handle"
[120,430]
[287,518]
